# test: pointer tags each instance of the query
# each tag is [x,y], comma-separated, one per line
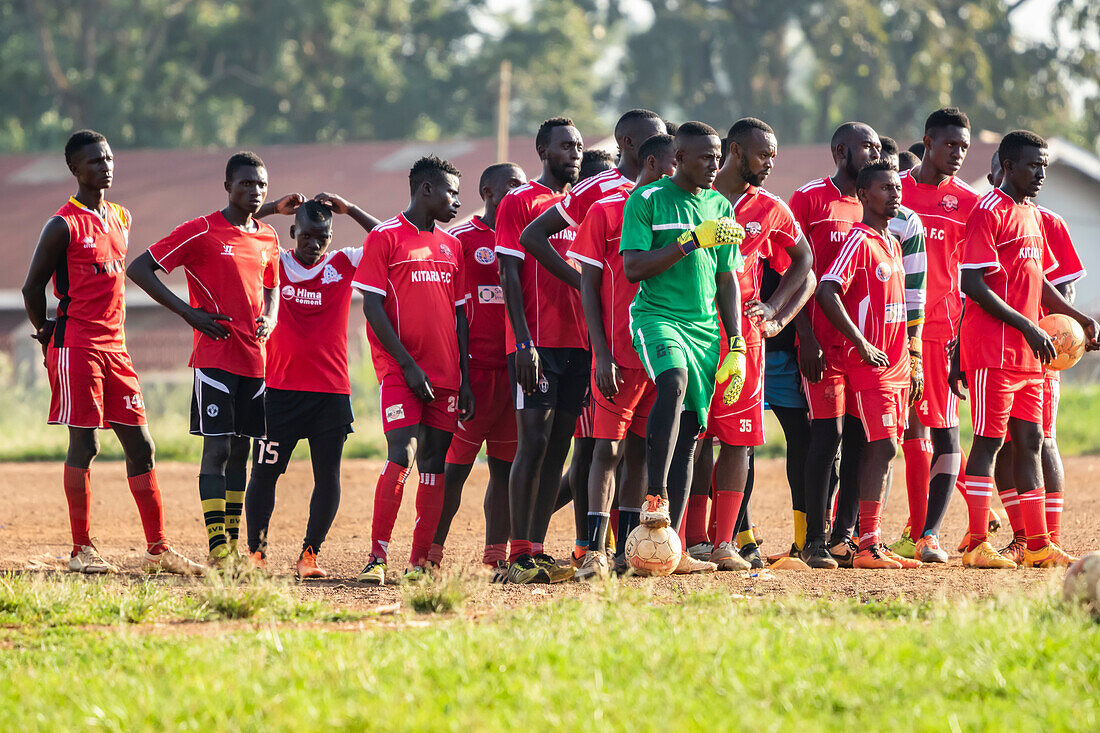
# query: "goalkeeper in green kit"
[680,242]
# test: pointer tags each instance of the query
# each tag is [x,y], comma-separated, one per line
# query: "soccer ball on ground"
[1068,338]
[1082,582]
[653,551]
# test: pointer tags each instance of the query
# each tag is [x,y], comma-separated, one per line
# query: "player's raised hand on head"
[208,323]
[418,382]
[264,326]
[466,404]
[338,204]
[289,204]
[1039,342]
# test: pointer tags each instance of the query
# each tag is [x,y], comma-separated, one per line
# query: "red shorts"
[585,421]
[826,398]
[998,394]
[741,423]
[90,388]
[630,409]
[882,411]
[494,421]
[939,407]
[401,408]
[1052,394]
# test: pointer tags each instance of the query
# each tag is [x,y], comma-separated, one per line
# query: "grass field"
[615,659]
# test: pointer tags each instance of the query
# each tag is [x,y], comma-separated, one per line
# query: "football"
[1082,582]
[1068,338]
[653,551]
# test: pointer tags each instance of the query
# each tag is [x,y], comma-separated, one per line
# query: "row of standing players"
[439,310]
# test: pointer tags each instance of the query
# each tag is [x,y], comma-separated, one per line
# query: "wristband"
[737,344]
[524,345]
[915,346]
[687,242]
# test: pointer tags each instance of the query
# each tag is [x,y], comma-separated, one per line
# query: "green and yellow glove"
[916,370]
[733,369]
[711,233]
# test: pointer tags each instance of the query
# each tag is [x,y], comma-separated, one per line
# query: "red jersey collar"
[838,191]
[945,182]
[477,223]
[93,212]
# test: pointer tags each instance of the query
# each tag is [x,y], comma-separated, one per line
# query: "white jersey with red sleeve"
[582,196]
[597,244]
[484,296]
[419,276]
[871,276]
[1006,241]
[308,350]
[552,308]
[825,216]
[943,210]
[227,270]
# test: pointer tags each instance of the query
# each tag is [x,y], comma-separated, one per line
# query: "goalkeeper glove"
[916,370]
[711,233]
[733,369]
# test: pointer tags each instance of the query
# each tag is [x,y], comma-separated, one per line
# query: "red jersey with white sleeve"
[597,244]
[871,276]
[484,296]
[825,216]
[770,228]
[308,350]
[1006,241]
[1070,268]
[227,270]
[574,207]
[419,276]
[90,280]
[943,210]
[552,308]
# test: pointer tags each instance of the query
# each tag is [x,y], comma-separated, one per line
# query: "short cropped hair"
[841,134]
[869,171]
[1015,142]
[657,145]
[741,129]
[542,137]
[314,211]
[631,116]
[595,161]
[889,145]
[671,127]
[430,168]
[694,129]
[917,149]
[946,117]
[493,171]
[907,160]
[243,159]
[78,140]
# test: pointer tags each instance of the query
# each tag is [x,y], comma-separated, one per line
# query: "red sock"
[960,482]
[537,548]
[387,502]
[435,554]
[78,494]
[696,520]
[682,534]
[1033,508]
[1010,500]
[147,495]
[712,521]
[918,466]
[1054,500]
[978,494]
[495,553]
[870,522]
[429,507]
[726,506]
[519,547]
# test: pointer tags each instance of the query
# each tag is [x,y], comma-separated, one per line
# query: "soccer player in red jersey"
[1064,276]
[547,347]
[93,384]
[931,443]
[863,296]
[621,391]
[1002,349]
[771,233]
[494,423]
[411,276]
[231,262]
[825,209]
[308,394]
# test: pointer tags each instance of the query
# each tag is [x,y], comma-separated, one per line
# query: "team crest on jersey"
[212,410]
[544,385]
[330,275]
[395,412]
[288,292]
[949,202]
[882,272]
[445,249]
[485,256]
[753,228]
[89,243]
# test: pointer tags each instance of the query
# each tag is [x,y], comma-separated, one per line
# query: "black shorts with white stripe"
[224,403]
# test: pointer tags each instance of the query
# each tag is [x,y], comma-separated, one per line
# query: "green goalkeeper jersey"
[655,215]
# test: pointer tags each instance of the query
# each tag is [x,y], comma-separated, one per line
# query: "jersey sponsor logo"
[88,242]
[395,412]
[949,202]
[1030,253]
[490,294]
[302,296]
[895,312]
[835,236]
[565,235]
[753,228]
[227,249]
[888,419]
[110,267]
[936,234]
[430,276]
[330,275]
[882,271]
[288,292]
[485,255]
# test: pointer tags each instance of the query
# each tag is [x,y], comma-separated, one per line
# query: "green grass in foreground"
[614,660]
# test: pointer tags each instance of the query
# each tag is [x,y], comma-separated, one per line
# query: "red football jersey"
[582,196]
[1006,241]
[825,216]
[90,280]
[943,210]
[227,270]
[770,228]
[484,297]
[597,244]
[553,309]
[308,350]
[419,276]
[1070,268]
[871,276]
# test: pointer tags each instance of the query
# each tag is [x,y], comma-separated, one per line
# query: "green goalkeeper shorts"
[663,345]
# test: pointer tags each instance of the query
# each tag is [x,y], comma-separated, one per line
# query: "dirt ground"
[34,535]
